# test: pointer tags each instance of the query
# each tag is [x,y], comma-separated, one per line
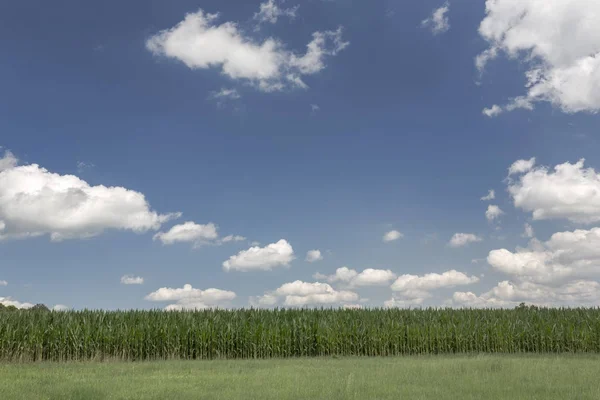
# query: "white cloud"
[439,21]
[189,232]
[395,302]
[493,111]
[35,202]
[274,255]
[200,43]
[298,293]
[490,196]
[233,238]
[270,12]
[558,41]
[132,280]
[3,283]
[313,256]
[509,294]
[368,277]
[188,298]
[61,307]
[8,301]
[493,212]
[569,192]
[418,287]
[225,94]
[314,108]
[392,235]
[463,239]
[567,255]
[8,161]
[528,231]
[521,166]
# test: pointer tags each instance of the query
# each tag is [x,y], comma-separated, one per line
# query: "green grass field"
[431,377]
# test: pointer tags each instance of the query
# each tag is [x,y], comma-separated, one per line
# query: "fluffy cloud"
[313,256]
[410,284]
[368,277]
[558,41]
[570,192]
[8,161]
[493,212]
[299,294]
[3,283]
[189,232]
[521,166]
[197,234]
[463,239]
[413,290]
[200,43]
[7,302]
[188,298]
[509,294]
[392,235]
[395,302]
[278,254]
[35,202]
[132,280]
[490,196]
[270,12]
[438,22]
[566,255]
[61,307]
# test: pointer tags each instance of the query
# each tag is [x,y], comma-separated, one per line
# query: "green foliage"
[214,334]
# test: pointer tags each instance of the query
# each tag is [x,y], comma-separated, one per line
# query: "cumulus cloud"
[313,256]
[8,161]
[61,307]
[558,42]
[132,280]
[35,202]
[270,11]
[396,302]
[8,301]
[490,196]
[189,232]
[566,255]
[463,239]
[188,298]
[266,258]
[196,234]
[368,277]
[521,166]
[438,22]
[3,283]
[493,212]
[414,289]
[509,294]
[569,192]
[392,235]
[300,294]
[201,43]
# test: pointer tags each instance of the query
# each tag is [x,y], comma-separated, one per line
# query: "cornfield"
[213,334]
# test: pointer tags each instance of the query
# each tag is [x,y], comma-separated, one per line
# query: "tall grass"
[212,334]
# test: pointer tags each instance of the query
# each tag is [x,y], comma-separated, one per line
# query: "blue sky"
[387,125]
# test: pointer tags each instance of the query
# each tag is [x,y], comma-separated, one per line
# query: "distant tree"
[39,307]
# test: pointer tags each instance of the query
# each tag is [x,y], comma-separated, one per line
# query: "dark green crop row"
[210,334]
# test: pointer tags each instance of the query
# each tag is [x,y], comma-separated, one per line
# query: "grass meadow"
[544,377]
